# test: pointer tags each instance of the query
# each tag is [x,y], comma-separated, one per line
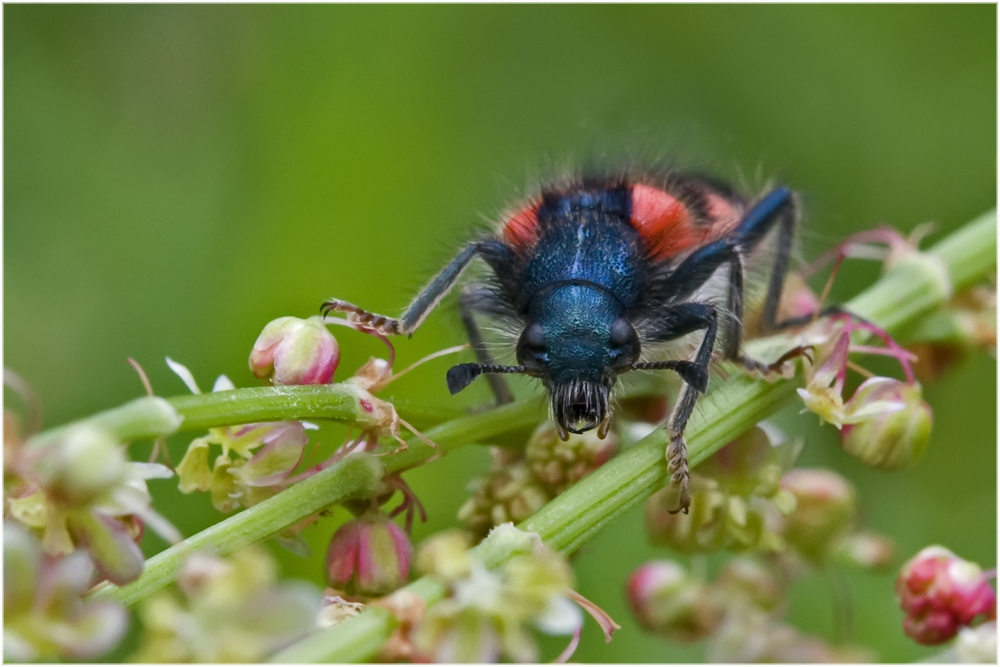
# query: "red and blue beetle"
[595,270]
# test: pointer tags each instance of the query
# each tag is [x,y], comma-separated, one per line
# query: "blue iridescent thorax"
[585,274]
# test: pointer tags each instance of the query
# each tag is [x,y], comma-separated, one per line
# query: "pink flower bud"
[369,556]
[294,351]
[893,439]
[940,594]
[666,600]
[825,504]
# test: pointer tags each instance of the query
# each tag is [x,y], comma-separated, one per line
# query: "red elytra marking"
[724,214]
[663,222]
[521,229]
[366,405]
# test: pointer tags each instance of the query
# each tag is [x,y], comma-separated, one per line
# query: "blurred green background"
[176,176]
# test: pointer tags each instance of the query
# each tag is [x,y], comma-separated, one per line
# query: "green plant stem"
[337,483]
[909,291]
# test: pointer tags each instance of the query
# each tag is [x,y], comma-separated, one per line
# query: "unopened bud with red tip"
[369,556]
[667,601]
[294,351]
[940,594]
[890,440]
[825,504]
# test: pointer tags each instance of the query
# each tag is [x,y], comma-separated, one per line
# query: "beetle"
[595,270]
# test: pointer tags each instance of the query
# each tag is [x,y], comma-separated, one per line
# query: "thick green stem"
[909,291]
[348,478]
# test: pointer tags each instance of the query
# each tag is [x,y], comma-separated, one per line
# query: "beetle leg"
[778,207]
[419,308]
[478,299]
[677,321]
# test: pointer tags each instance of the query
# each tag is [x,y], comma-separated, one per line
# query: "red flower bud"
[940,594]
[369,556]
[666,600]
[294,351]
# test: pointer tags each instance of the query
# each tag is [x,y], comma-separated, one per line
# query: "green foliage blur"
[177,176]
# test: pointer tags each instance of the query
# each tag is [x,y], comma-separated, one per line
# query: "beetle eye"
[534,337]
[622,333]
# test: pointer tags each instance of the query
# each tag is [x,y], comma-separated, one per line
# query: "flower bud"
[294,351]
[941,593]
[752,464]
[667,601]
[561,464]
[508,494]
[369,556]
[754,582]
[891,440]
[866,550]
[825,507]
[85,463]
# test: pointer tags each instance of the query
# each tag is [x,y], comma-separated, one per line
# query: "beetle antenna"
[461,375]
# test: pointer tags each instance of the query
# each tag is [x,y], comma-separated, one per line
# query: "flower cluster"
[739,613]
[78,490]
[488,614]
[737,498]
[239,475]
[44,615]
[226,610]
[521,483]
[941,594]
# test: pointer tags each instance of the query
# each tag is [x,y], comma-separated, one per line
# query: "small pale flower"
[228,610]
[72,503]
[255,462]
[45,617]
[823,393]
[292,351]
[445,555]
[978,644]
[488,614]
[336,610]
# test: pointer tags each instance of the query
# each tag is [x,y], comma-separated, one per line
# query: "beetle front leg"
[419,308]
[677,321]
